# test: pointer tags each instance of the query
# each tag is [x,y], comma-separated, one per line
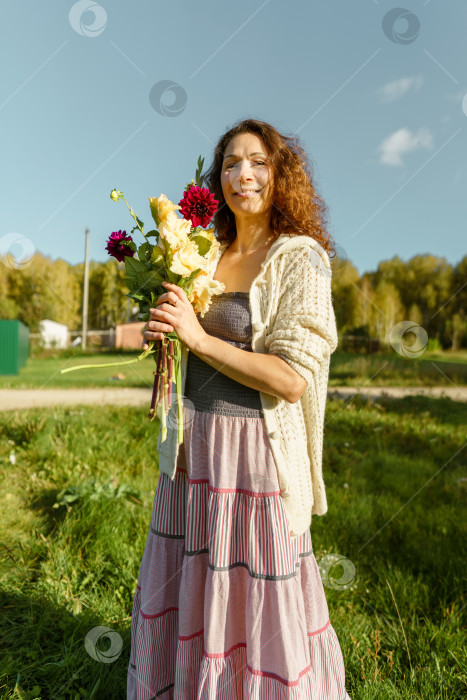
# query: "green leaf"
[133,268]
[148,280]
[144,251]
[157,258]
[198,177]
[153,233]
[202,240]
[144,313]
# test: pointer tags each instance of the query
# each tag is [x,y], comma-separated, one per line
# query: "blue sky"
[377,96]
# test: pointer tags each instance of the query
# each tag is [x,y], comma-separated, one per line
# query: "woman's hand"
[180,318]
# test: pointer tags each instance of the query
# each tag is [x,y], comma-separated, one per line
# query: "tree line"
[426,290]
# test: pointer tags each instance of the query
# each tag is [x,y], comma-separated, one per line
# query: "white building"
[53,335]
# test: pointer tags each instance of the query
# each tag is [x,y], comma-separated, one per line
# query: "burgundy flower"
[115,245]
[199,205]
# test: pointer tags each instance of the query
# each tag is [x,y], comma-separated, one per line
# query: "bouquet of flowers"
[181,253]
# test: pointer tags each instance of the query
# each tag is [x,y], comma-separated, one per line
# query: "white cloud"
[398,88]
[401,142]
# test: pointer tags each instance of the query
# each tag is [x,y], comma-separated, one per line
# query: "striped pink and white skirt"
[228,605]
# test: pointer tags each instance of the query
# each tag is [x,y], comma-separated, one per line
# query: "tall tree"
[44,290]
[345,294]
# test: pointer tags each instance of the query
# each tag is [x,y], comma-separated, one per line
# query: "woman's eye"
[257,162]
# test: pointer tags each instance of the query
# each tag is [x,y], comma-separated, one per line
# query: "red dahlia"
[199,205]
[115,245]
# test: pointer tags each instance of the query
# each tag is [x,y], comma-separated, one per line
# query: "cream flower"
[175,230]
[186,259]
[215,245]
[204,287]
[160,208]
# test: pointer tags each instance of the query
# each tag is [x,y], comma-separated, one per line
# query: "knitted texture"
[292,317]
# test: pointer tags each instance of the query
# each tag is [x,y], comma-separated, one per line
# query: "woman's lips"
[247,194]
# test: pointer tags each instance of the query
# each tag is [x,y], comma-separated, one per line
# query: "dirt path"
[14,399]
[17,399]
[456,393]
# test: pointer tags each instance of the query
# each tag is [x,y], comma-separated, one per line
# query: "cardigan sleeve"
[303,330]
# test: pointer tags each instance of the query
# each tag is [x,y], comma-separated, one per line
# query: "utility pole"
[85,292]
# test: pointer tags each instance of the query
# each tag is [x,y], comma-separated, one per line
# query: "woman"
[230,603]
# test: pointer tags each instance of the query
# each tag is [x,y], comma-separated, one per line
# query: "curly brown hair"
[296,207]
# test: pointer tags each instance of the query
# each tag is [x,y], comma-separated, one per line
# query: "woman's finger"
[178,292]
[157,335]
[160,326]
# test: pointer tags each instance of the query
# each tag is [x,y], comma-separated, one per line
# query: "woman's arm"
[263,372]
[304,331]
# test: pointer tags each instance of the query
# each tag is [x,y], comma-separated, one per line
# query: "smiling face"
[246,177]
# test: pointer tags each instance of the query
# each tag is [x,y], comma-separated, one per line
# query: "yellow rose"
[186,259]
[160,208]
[175,230]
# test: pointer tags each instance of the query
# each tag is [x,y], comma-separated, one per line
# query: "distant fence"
[104,339]
[359,344]
[124,335]
[111,337]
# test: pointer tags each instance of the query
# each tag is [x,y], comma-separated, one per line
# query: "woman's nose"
[245,172]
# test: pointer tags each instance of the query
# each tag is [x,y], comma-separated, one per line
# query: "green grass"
[44,371]
[390,369]
[393,471]
[347,369]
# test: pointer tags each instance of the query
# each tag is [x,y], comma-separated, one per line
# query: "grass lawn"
[390,369]
[44,371]
[396,493]
[347,369]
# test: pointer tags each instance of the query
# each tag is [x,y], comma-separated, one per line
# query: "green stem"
[134,217]
[163,417]
[144,354]
[179,394]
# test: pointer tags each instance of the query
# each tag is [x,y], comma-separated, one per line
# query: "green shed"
[14,346]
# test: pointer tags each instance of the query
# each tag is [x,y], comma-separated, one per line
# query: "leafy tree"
[345,294]
[456,323]
[387,310]
[425,290]
[44,290]
[8,308]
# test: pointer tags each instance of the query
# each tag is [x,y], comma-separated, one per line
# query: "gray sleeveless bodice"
[229,319]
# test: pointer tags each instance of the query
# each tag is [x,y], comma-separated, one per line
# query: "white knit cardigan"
[292,316]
